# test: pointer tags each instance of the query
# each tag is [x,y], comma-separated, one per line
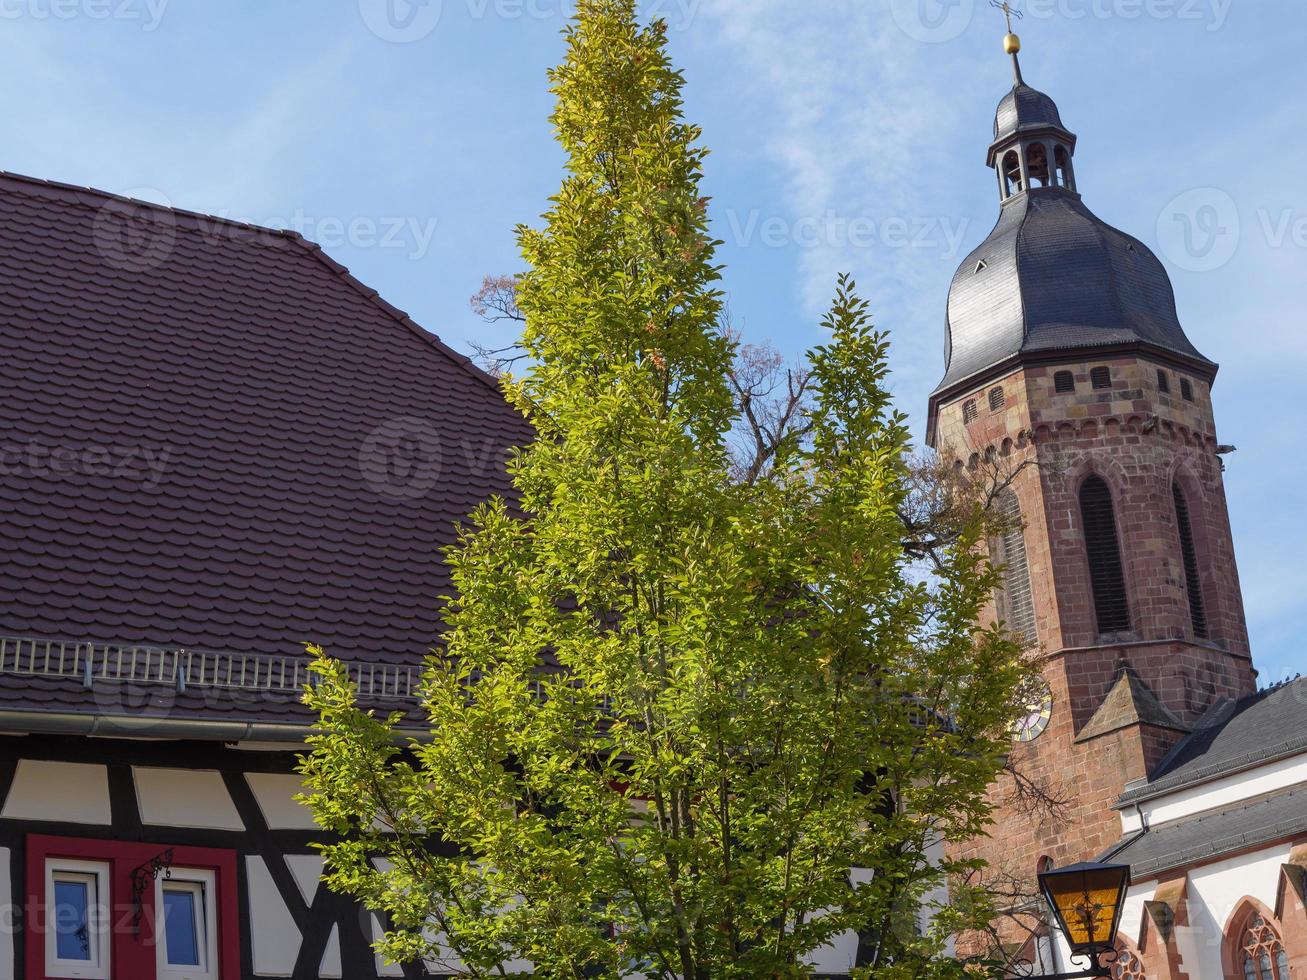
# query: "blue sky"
[847,135]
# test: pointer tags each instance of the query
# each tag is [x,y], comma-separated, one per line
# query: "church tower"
[1069,375]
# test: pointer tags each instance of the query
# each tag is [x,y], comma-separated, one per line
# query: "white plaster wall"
[306,869]
[1218,793]
[185,798]
[275,937]
[275,793]
[330,966]
[67,791]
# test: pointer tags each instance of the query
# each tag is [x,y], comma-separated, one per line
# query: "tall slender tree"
[681,726]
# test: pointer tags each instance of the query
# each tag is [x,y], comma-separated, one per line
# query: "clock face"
[1034,721]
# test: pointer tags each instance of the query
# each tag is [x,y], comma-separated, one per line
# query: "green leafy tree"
[681,726]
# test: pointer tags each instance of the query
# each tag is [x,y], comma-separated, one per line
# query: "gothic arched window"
[1103,549]
[1189,556]
[1260,953]
[1016,604]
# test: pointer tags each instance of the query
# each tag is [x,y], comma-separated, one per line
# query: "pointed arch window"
[1260,954]
[1016,602]
[1189,556]
[1103,549]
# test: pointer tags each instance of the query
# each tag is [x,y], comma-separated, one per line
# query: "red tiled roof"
[215,438]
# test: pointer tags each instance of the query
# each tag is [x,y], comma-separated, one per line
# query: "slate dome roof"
[1053,276]
[1025,108]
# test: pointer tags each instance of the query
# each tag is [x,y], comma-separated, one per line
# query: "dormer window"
[981,266]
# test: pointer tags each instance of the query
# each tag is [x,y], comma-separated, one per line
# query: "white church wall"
[1216,794]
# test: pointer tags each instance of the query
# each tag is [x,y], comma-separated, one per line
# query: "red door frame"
[132,957]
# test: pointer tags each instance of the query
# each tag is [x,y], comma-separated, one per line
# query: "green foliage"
[673,716]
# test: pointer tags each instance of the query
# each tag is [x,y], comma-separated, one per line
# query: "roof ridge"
[78,191]
[395,313]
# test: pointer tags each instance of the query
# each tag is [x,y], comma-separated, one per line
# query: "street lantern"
[1086,899]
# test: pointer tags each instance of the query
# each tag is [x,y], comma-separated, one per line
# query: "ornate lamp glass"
[1087,900]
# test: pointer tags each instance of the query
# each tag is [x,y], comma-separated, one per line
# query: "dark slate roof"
[1210,835]
[1023,109]
[1053,277]
[215,438]
[1261,728]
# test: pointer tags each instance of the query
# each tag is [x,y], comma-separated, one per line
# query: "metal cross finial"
[1008,12]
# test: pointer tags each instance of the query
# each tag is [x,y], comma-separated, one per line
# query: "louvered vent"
[1197,614]
[1100,377]
[996,399]
[969,412]
[1106,574]
[1163,382]
[1017,605]
[1186,390]
[1063,382]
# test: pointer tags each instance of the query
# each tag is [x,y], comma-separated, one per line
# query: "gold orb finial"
[1011,43]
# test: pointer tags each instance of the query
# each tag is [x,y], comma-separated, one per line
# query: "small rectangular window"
[1063,382]
[1101,377]
[76,933]
[1186,390]
[969,412]
[186,926]
[1163,382]
[996,399]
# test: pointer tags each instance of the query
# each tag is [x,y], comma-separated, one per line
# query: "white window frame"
[204,885]
[98,915]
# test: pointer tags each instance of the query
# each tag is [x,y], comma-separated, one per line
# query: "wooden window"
[1261,954]
[1064,381]
[1163,382]
[970,412]
[1101,377]
[1193,582]
[1186,389]
[996,399]
[1103,549]
[1016,604]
